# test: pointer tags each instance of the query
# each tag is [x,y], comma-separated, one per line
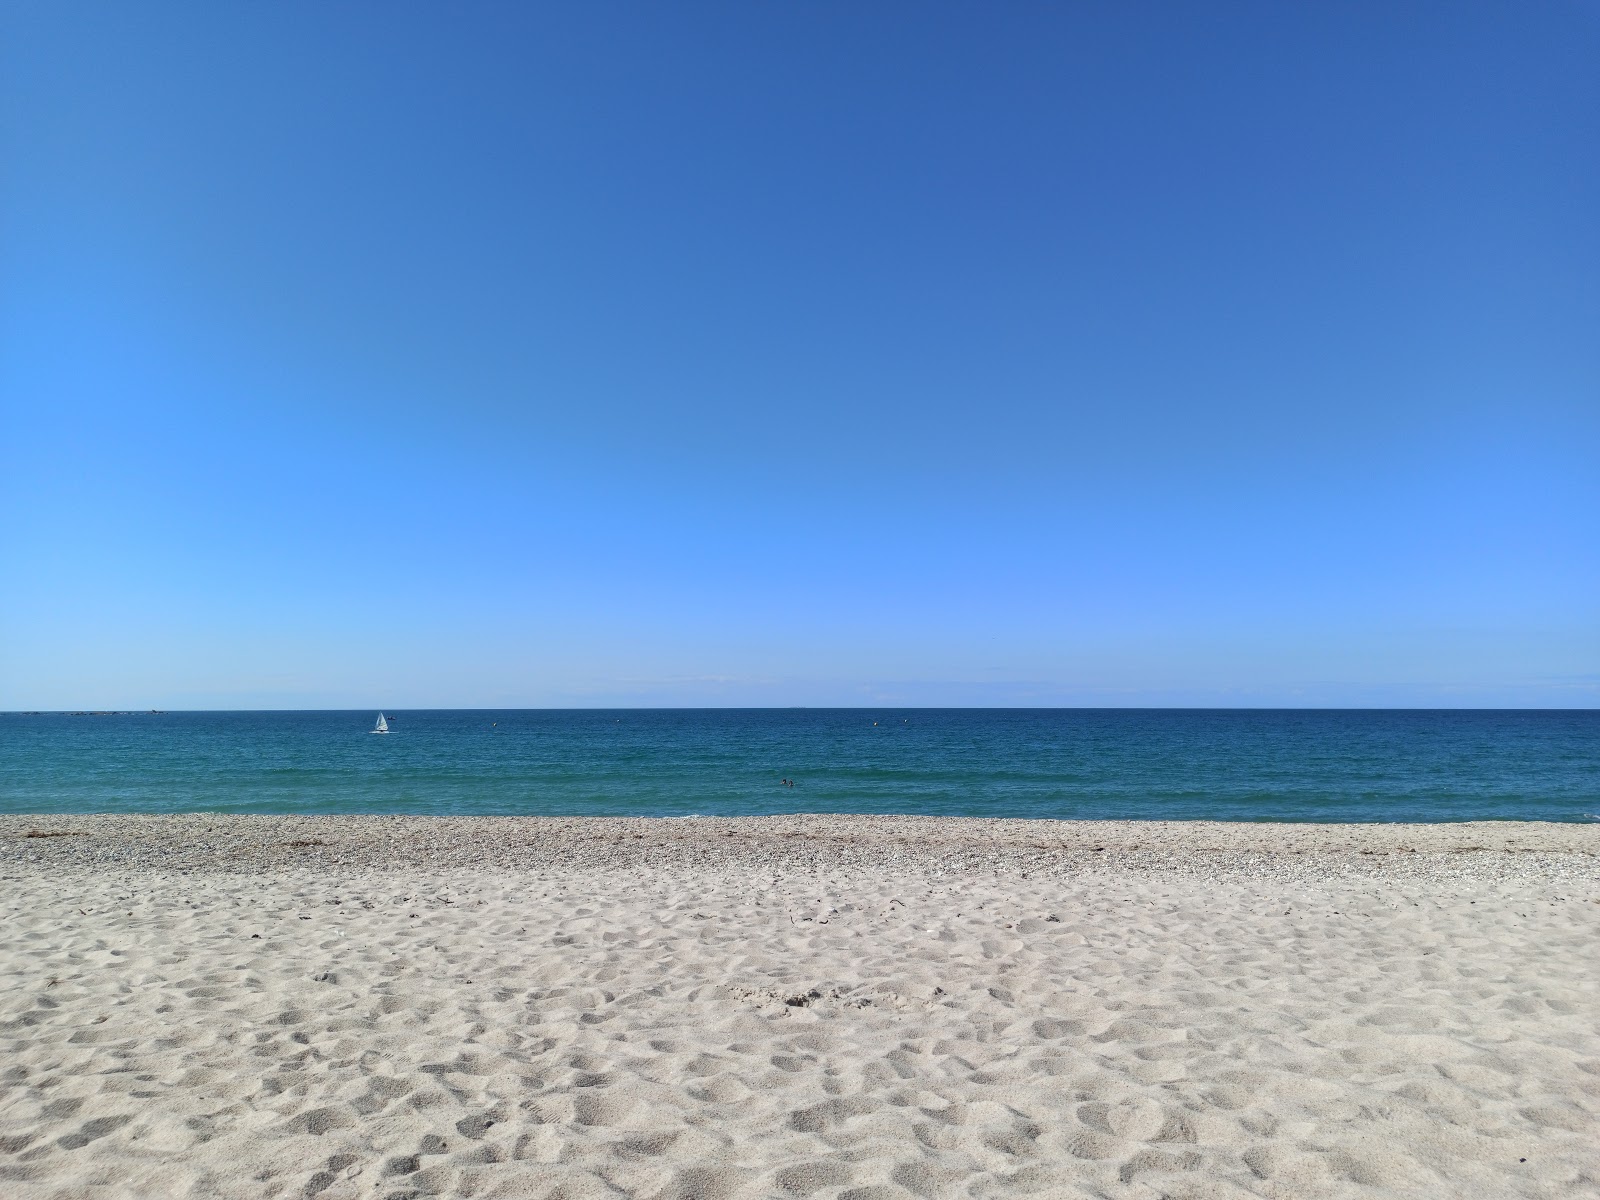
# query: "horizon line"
[141,712]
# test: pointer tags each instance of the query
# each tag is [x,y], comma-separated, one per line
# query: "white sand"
[1286,1024]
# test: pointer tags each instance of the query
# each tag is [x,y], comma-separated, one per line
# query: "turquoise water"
[1245,765]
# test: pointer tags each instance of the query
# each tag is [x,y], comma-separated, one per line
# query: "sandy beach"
[831,1007]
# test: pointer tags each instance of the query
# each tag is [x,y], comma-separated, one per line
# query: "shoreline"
[244,843]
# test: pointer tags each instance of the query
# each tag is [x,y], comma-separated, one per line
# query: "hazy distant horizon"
[392,709]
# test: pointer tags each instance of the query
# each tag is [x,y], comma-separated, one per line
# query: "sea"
[1127,764]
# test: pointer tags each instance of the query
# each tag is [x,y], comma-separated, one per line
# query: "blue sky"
[594,354]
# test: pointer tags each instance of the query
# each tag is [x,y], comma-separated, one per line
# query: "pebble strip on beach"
[1485,851]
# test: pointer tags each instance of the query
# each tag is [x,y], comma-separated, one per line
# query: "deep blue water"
[1175,764]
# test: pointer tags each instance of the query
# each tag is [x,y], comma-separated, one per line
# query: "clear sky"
[404,355]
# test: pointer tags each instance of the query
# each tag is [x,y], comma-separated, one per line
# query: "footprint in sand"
[90,1130]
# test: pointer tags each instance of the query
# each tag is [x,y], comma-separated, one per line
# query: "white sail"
[382,725]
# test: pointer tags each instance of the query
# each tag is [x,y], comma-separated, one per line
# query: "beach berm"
[214,1005]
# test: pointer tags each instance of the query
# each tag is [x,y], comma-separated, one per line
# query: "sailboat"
[382,726]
